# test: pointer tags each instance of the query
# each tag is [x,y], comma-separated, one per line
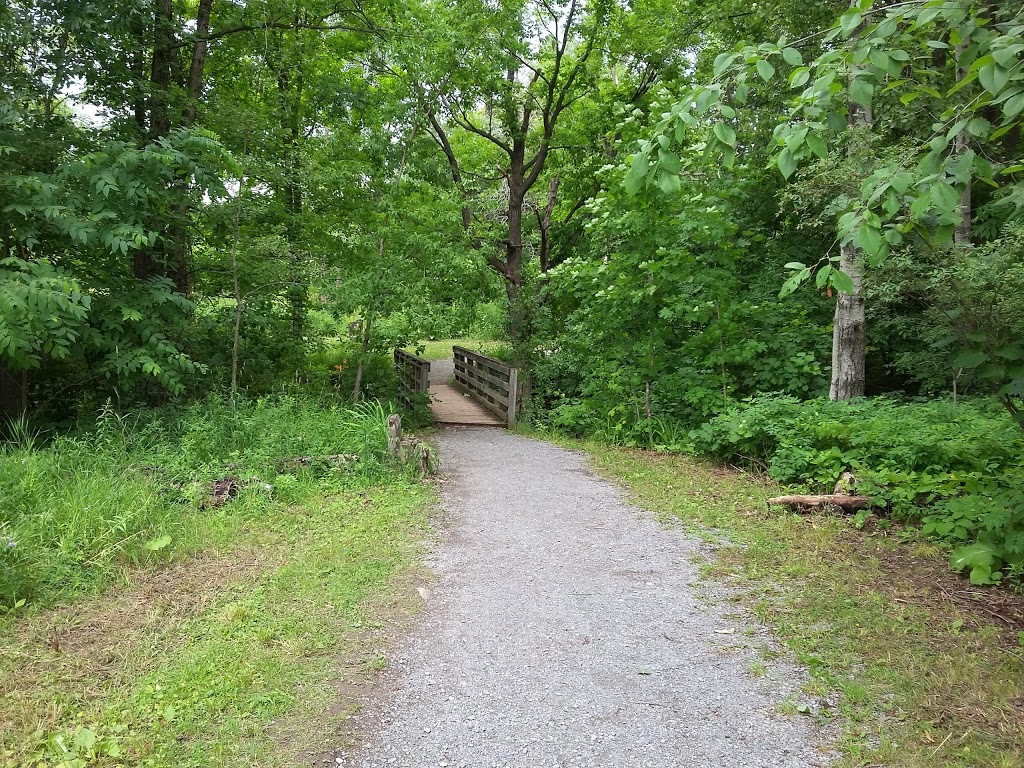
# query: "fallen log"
[842,501]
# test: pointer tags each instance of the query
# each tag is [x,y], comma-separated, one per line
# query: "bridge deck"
[452,406]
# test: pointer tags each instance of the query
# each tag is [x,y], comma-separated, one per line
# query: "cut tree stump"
[841,501]
[395,448]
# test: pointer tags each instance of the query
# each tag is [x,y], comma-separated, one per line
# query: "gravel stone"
[566,629]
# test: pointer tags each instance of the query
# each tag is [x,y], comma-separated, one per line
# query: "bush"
[957,469]
[74,512]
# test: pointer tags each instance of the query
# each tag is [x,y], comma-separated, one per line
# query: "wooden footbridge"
[469,389]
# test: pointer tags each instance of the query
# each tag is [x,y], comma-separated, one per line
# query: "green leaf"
[155,545]
[978,554]
[722,62]
[993,78]
[842,281]
[871,241]
[786,163]
[765,69]
[817,145]
[799,77]
[792,57]
[968,359]
[669,161]
[849,22]
[861,91]
[668,182]
[1013,106]
[794,282]
[822,277]
[944,196]
[725,134]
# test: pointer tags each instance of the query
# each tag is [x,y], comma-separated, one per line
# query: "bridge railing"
[413,372]
[494,383]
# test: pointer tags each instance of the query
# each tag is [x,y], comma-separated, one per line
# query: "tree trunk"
[849,330]
[195,73]
[357,389]
[162,68]
[13,395]
[849,338]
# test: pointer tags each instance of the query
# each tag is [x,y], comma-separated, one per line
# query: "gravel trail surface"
[566,628]
[441,370]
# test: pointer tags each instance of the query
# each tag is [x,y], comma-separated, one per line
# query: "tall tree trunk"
[162,68]
[171,255]
[849,338]
[195,72]
[849,330]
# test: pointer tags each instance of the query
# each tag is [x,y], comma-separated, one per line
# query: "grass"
[909,673]
[130,490]
[228,646]
[439,349]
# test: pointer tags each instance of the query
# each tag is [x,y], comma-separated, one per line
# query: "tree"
[885,62]
[506,75]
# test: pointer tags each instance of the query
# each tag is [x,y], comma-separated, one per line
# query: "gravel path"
[565,629]
[441,370]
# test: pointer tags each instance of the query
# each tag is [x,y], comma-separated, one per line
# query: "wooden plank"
[498,364]
[450,406]
[513,394]
[479,375]
[413,371]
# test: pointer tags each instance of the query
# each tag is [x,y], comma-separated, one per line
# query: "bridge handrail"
[494,382]
[413,372]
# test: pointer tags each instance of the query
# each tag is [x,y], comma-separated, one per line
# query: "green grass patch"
[911,674]
[131,489]
[144,624]
[238,670]
[439,349]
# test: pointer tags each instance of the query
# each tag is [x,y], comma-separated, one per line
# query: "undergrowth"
[222,647]
[78,510]
[958,470]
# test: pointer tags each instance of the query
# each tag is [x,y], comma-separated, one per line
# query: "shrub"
[958,469]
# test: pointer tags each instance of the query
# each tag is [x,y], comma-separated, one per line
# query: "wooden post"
[395,451]
[513,395]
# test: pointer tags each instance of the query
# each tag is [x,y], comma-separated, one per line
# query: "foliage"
[965,314]
[956,468]
[41,311]
[81,508]
[888,56]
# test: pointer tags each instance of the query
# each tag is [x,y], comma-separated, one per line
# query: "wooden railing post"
[513,395]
